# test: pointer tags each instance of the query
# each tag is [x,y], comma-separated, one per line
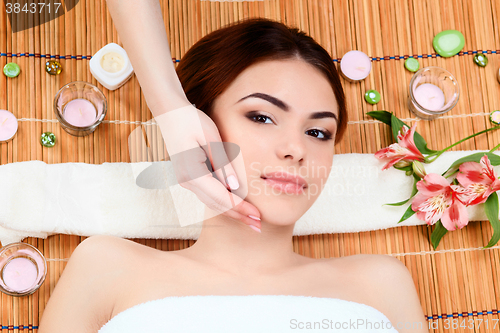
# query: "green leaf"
[396,124]
[382,116]
[491,210]
[421,144]
[494,160]
[401,203]
[437,234]
[413,192]
[409,212]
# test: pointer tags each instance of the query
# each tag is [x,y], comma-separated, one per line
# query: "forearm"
[142,31]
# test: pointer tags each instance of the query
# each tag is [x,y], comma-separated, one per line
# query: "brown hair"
[214,62]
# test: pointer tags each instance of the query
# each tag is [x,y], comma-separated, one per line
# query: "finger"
[220,154]
[216,153]
[189,165]
[213,194]
[223,153]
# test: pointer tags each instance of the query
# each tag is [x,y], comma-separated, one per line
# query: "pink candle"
[429,96]
[8,125]
[20,274]
[355,65]
[80,112]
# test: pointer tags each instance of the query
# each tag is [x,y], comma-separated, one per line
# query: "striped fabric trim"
[398,57]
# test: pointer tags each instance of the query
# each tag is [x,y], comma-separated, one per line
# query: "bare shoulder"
[84,295]
[392,289]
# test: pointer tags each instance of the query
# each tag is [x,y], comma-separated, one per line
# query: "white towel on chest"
[39,199]
[255,313]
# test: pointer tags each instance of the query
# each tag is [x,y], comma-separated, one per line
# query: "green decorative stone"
[480,60]
[412,64]
[53,67]
[372,96]
[448,43]
[11,69]
[48,139]
[495,117]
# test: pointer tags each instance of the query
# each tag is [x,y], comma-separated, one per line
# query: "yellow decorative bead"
[53,67]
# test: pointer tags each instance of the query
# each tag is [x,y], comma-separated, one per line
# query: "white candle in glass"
[429,96]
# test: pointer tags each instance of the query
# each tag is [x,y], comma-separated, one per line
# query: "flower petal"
[487,168]
[405,139]
[495,186]
[433,184]
[472,172]
[462,193]
[455,216]
[431,217]
[417,201]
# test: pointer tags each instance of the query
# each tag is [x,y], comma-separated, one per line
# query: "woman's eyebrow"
[285,107]
[324,114]
[273,100]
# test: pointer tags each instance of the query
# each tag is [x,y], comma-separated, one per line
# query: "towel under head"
[254,313]
[141,200]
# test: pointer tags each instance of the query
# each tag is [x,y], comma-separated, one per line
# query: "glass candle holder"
[22,269]
[80,107]
[432,92]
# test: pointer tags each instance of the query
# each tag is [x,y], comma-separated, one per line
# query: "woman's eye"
[261,119]
[319,134]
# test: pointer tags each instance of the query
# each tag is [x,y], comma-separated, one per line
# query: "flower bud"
[419,169]
[402,164]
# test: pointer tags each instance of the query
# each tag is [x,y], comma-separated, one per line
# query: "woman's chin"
[279,210]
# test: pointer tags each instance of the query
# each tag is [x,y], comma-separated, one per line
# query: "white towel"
[254,313]
[39,199]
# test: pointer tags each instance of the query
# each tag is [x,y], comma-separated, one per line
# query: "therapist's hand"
[141,29]
[191,138]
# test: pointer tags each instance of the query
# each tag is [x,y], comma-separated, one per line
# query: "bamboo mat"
[458,285]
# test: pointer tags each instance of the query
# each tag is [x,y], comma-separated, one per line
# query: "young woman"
[274,92]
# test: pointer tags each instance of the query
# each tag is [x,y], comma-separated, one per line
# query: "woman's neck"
[233,247]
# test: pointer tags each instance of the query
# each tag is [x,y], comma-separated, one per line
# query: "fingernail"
[254,228]
[254,217]
[232,182]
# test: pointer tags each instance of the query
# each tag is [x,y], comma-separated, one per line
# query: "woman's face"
[283,116]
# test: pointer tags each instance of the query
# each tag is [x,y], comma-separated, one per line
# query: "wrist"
[168,104]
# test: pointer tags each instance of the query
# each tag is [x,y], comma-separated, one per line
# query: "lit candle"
[8,125]
[355,65]
[20,274]
[429,96]
[80,112]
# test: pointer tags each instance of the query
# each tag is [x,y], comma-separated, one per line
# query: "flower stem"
[438,153]
[495,148]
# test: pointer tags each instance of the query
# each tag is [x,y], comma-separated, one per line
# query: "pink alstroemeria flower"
[405,149]
[479,181]
[436,199]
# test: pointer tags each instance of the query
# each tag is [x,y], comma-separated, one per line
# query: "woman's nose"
[291,148]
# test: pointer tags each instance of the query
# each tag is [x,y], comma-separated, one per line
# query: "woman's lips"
[285,182]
